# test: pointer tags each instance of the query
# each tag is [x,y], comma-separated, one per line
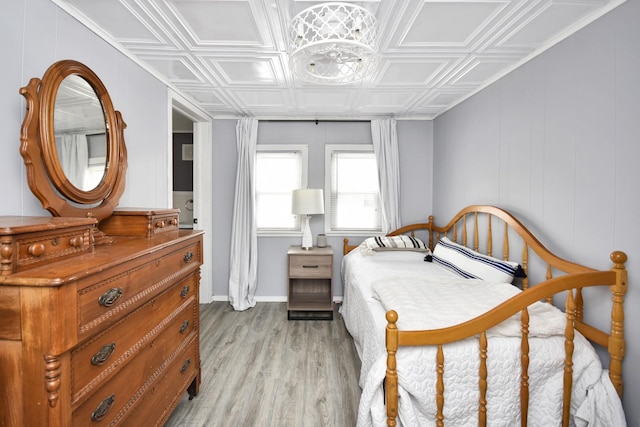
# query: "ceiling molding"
[240,68]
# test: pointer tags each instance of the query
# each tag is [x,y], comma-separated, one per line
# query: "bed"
[439,347]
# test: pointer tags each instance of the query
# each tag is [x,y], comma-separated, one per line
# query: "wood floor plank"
[259,369]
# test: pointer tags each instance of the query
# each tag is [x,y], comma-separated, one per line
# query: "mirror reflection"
[80,133]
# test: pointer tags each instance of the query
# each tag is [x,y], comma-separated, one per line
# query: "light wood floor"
[259,369]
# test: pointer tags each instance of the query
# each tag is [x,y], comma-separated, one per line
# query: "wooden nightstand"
[310,294]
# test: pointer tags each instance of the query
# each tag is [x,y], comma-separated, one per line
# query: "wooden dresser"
[96,336]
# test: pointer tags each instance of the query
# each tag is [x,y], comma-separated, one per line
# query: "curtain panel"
[244,240]
[73,153]
[385,147]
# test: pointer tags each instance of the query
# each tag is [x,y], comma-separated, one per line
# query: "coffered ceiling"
[230,56]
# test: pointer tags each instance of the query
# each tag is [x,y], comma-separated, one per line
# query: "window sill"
[347,233]
[276,233]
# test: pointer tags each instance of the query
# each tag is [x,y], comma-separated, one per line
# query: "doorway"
[182,190]
[182,114]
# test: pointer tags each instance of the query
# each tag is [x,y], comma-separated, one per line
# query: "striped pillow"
[395,243]
[473,265]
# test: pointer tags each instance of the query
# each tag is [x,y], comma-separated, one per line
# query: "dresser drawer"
[34,241]
[310,266]
[136,222]
[170,316]
[107,301]
[161,399]
[164,223]
[111,403]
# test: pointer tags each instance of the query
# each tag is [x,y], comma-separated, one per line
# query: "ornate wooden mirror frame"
[45,174]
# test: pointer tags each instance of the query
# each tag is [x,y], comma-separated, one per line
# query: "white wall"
[33,35]
[415,152]
[556,142]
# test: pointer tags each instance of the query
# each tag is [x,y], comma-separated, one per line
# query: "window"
[351,195]
[279,170]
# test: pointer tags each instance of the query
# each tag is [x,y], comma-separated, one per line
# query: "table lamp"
[307,202]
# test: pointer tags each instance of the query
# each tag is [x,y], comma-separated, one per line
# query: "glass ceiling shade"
[333,43]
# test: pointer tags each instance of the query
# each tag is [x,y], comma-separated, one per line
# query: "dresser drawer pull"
[76,242]
[160,224]
[188,256]
[37,249]
[103,408]
[174,221]
[185,366]
[184,327]
[309,266]
[110,297]
[185,291]
[103,354]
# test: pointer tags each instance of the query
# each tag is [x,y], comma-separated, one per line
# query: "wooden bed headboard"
[492,231]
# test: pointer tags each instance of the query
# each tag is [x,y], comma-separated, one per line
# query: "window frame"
[304,172]
[329,150]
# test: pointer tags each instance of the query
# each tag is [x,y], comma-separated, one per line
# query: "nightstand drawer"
[310,266]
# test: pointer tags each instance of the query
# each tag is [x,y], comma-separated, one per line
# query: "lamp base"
[307,239]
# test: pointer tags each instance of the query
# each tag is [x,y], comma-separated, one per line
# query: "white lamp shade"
[307,202]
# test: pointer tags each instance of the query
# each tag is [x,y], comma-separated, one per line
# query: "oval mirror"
[73,142]
[80,133]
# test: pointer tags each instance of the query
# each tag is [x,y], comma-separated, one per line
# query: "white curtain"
[244,240]
[73,153]
[385,147]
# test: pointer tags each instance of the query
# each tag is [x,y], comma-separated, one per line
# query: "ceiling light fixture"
[333,43]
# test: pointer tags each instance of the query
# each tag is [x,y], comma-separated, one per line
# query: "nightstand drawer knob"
[188,256]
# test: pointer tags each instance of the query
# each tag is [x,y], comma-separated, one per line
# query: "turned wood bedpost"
[391,380]
[464,230]
[431,220]
[482,382]
[569,335]
[455,233]
[476,241]
[525,266]
[505,243]
[489,237]
[524,364]
[616,340]
[549,276]
[440,387]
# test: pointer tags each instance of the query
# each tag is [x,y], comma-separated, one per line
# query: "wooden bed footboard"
[573,285]
[475,227]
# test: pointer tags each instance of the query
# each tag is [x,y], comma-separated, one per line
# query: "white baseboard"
[267,298]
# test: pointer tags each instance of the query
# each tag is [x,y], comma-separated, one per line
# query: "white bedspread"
[380,276]
[427,303]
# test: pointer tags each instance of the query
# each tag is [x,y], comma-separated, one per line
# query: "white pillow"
[473,265]
[394,243]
